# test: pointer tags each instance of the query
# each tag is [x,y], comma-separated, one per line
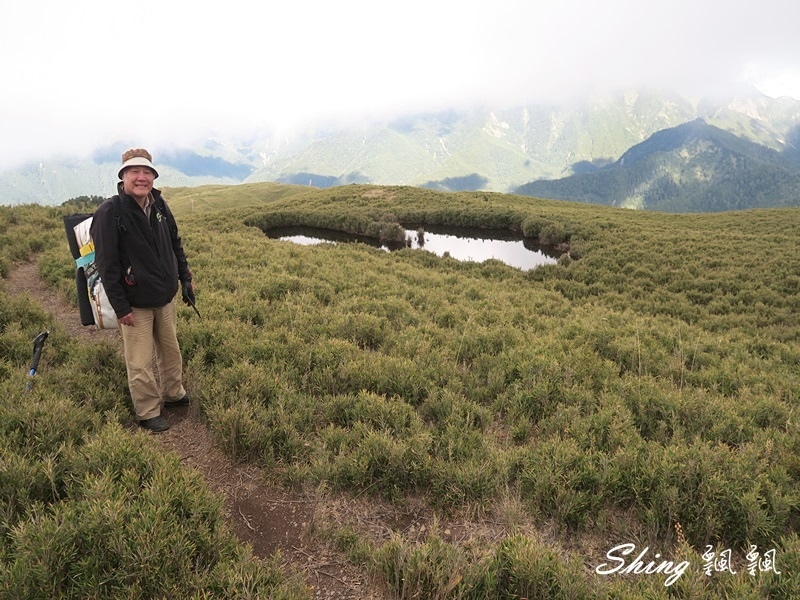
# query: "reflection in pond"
[460,243]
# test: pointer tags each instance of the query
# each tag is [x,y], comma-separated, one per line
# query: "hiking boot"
[180,402]
[156,424]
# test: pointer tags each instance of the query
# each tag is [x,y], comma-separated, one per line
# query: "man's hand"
[187,291]
[126,320]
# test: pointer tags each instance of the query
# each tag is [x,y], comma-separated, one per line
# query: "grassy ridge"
[644,387]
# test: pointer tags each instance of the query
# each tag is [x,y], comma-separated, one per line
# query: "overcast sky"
[89,72]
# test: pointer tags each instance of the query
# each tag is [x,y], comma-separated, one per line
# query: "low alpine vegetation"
[642,387]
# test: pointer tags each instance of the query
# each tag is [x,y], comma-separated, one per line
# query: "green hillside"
[694,167]
[641,391]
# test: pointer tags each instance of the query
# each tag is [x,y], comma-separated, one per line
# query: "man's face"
[138,181]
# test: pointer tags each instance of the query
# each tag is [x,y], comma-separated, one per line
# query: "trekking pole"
[194,307]
[38,345]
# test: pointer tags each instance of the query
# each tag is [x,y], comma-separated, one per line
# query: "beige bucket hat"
[138,157]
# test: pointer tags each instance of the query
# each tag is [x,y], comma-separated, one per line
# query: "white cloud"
[90,71]
[773,79]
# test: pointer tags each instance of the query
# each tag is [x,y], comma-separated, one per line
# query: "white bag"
[104,315]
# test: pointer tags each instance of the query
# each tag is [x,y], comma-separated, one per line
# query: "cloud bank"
[90,72]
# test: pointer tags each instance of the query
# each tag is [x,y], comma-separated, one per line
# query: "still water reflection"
[463,244]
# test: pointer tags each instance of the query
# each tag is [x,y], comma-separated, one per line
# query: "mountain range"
[639,149]
[694,167]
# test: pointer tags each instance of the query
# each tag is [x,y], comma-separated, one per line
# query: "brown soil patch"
[264,516]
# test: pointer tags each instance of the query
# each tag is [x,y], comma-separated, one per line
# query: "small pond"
[460,243]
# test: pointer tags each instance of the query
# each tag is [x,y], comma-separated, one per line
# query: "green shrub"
[432,570]
[129,522]
[521,569]
[561,480]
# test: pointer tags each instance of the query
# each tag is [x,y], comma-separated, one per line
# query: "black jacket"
[140,262]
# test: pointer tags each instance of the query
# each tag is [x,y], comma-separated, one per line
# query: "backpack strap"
[115,200]
[161,205]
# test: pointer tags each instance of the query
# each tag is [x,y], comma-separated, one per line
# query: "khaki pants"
[151,344]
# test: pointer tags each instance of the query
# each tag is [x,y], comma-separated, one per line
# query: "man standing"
[140,259]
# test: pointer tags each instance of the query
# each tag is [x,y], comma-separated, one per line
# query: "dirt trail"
[264,516]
